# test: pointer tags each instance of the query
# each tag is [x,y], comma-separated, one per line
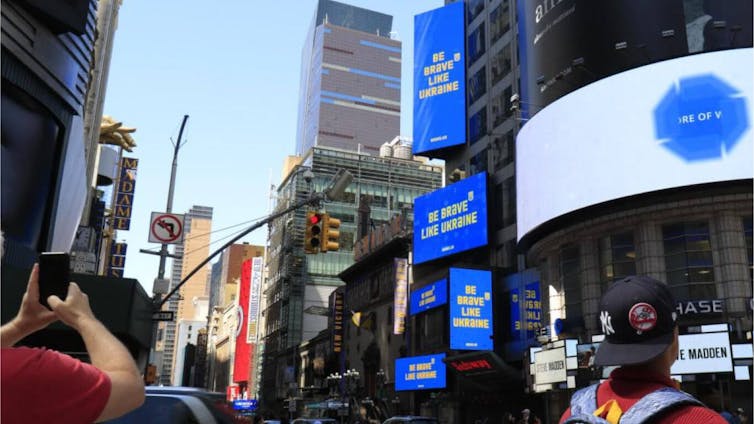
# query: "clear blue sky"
[233,67]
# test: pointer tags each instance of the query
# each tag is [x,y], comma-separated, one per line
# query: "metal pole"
[171,189]
[164,248]
[313,199]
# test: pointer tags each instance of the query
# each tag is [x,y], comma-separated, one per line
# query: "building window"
[501,64]
[617,257]
[475,44]
[747,235]
[500,21]
[477,85]
[504,149]
[497,207]
[478,125]
[474,8]
[501,107]
[478,163]
[570,276]
[688,260]
[428,323]
[509,201]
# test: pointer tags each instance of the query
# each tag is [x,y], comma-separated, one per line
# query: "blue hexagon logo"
[701,118]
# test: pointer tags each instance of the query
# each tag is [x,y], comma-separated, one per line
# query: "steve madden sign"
[697,307]
[703,353]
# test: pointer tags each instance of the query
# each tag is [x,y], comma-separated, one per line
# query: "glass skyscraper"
[350,80]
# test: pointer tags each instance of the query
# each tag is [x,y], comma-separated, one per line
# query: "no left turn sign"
[166,228]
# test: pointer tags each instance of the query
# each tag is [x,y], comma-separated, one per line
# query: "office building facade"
[193,250]
[585,190]
[350,80]
[299,285]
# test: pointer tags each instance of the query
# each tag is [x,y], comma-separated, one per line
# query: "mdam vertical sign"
[470,309]
[439,79]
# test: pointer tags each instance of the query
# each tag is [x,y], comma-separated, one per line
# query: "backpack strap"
[653,404]
[584,401]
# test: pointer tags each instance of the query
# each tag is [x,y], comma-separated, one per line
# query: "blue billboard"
[524,298]
[451,219]
[420,372]
[470,309]
[526,310]
[429,296]
[439,79]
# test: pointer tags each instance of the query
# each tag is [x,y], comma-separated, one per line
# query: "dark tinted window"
[159,409]
[688,260]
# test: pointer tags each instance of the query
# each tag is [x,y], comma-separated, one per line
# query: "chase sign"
[700,118]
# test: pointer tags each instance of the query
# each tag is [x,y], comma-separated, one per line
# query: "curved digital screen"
[676,123]
[567,44]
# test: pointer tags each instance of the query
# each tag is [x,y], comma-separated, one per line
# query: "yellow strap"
[612,411]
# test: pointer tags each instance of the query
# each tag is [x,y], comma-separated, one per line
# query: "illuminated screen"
[470,309]
[451,219]
[671,124]
[439,79]
[420,372]
[429,296]
[703,353]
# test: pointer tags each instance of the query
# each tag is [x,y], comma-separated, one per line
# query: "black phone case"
[54,276]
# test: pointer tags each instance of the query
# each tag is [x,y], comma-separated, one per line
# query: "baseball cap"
[637,316]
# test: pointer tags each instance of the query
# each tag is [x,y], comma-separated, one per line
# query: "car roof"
[179,390]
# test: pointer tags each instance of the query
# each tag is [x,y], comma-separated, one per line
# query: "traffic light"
[313,232]
[330,234]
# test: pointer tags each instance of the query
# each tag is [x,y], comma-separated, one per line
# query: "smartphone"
[54,275]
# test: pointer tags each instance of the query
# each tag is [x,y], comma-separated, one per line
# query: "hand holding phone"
[54,276]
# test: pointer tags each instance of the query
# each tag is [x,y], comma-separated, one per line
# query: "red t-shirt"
[628,385]
[44,386]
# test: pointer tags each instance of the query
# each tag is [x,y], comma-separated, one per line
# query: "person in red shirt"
[638,319]
[44,386]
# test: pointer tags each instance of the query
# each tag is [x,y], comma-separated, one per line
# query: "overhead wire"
[194,236]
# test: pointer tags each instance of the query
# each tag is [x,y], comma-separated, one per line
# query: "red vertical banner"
[242,361]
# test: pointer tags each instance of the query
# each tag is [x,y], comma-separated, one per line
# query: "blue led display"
[700,117]
[245,404]
[470,309]
[439,79]
[451,220]
[420,372]
[429,296]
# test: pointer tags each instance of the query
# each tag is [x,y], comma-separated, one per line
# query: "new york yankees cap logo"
[637,317]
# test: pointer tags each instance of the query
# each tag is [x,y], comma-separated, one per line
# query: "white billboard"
[703,353]
[550,366]
[670,124]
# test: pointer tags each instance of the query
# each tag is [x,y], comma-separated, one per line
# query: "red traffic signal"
[313,232]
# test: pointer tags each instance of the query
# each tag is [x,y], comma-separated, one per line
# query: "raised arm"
[31,317]
[107,353]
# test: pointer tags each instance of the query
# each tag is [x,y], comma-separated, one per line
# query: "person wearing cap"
[637,316]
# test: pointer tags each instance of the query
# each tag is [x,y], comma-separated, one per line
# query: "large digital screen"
[420,372]
[429,296]
[470,309]
[703,353]
[566,44]
[451,219]
[439,79]
[675,123]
